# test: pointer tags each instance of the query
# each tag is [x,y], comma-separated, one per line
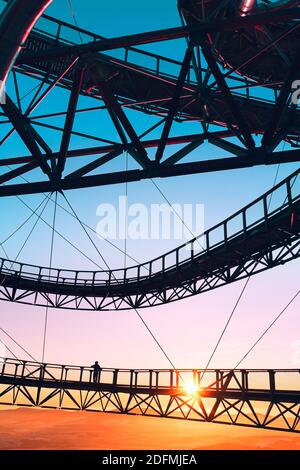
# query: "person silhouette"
[96,372]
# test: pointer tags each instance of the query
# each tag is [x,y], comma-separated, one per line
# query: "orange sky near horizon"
[23,429]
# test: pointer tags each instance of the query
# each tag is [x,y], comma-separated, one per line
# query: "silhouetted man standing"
[96,372]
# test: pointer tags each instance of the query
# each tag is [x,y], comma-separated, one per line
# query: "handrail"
[143,53]
[122,275]
[28,363]
[154,380]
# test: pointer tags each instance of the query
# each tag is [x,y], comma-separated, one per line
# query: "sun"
[191,388]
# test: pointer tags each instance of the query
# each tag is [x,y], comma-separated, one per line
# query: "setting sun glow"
[191,388]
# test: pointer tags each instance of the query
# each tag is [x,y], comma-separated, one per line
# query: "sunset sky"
[188,330]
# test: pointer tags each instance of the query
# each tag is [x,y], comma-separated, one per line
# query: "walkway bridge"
[262,235]
[267,399]
[248,99]
[239,102]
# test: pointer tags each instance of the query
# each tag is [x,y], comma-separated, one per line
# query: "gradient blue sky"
[187,330]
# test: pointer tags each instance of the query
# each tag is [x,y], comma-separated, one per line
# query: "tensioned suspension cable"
[19,228]
[1,328]
[12,130]
[126,217]
[34,211]
[50,270]
[75,20]
[4,278]
[16,343]
[10,351]
[86,232]
[241,293]
[61,235]
[14,355]
[26,240]
[226,325]
[85,224]
[269,328]
[135,309]
[176,213]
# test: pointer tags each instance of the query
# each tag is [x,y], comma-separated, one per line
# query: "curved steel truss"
[225,102]
[238,247]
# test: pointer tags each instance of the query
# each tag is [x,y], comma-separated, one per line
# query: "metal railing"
[154,379]
[258,214]
[64,33]
[60,31]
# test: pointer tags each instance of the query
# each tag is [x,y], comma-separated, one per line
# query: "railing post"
[177,378]
[20,270]
[1,267]
[40,274]
[192,251]
[81,374]
[135,379]
[272,380]
[221,381]
[207,241]
[157,65]
[225,234]
[245,224]
[195,376]
[266,212]
[150,378]
[156,379]
[42,371]
[115,379]
[171,378]
[245,381]
[131,377]
[23,368]
[139,272]
[3,366]
[126,55]
[289,194]
[218,380]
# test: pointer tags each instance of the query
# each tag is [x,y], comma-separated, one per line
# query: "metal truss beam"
[155,171]
[281,104]
[114,107]
[84,152]
[28,134]
[236,113]
[70,117]
[288,251]
[174,103]
[231,24]
[221,396]
[197,266]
